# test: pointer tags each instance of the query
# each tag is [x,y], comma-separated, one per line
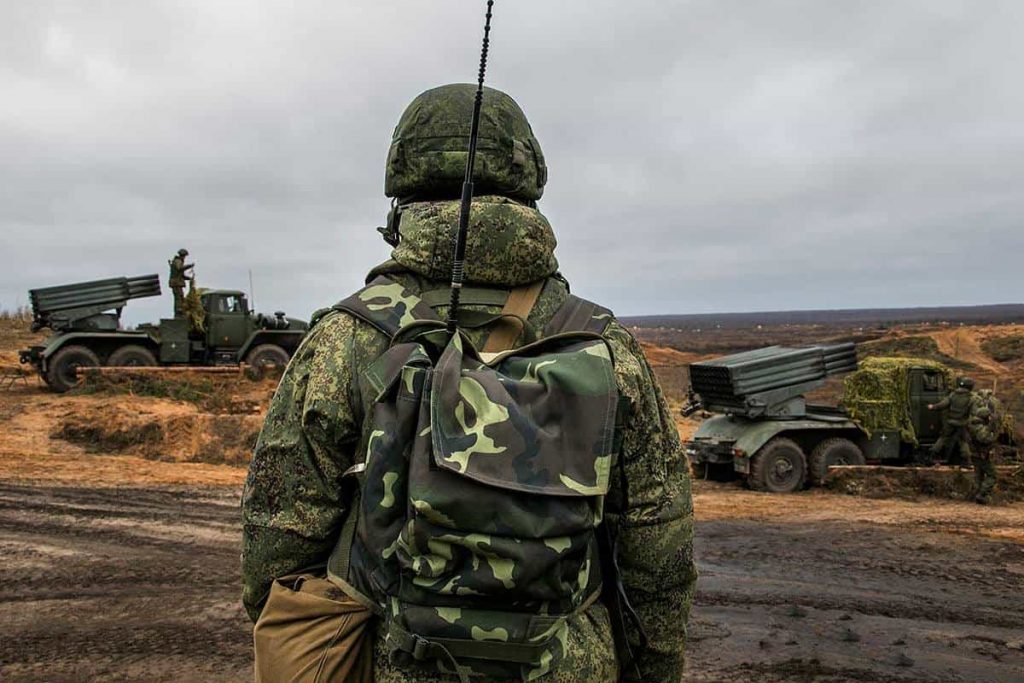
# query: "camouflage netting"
[876,395]
[193,308]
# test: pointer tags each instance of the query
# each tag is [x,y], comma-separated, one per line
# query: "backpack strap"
[471,296]
[514,314]
[578,315]
[386,305]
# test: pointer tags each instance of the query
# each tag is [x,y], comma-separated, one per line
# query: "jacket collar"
[509,243]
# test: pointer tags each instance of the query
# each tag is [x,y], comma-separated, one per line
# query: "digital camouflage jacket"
[959,405]
[292,504]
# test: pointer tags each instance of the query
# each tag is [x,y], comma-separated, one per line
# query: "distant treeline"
[867,317]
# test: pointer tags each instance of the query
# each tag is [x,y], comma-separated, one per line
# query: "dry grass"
[1004,349]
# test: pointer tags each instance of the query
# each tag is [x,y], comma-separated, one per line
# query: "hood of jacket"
[508,244]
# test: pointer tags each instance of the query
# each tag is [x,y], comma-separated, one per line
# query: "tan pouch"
[311,631]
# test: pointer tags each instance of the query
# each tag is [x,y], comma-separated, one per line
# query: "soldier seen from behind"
[955,437]
[511,503]
[177,279]
[984,427]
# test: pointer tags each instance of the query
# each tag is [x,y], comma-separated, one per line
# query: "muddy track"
[814,600]
[120,584]
[133,584]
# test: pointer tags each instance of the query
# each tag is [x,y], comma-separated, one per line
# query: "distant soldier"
[179,276]
[983,427]
[954,428]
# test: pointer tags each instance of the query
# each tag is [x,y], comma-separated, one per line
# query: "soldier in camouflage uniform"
[954,428]
[293,504]
[984,428]
[178,277]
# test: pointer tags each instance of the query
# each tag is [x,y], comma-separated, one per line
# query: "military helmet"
[983,413]
[427,158]
[183,252]
[965,382]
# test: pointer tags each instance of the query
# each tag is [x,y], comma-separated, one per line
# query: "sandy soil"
[31,416]
[963,343]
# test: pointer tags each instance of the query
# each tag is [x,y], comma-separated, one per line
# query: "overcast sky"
[704,156]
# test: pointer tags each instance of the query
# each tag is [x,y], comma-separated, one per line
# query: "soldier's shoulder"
[329,330]
[631,367]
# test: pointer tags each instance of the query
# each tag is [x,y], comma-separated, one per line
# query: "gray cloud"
[704,155]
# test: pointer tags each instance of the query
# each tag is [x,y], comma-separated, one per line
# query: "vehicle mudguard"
[59,341]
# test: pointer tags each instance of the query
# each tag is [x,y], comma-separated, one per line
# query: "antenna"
[459,253]
[252,294]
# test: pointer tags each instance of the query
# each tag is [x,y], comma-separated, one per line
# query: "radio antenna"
[459,253]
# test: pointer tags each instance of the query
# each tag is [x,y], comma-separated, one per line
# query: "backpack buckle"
[421,648]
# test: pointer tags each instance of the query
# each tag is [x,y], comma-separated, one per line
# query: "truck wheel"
[832,452]
[61,371]
[266,355]
[779,467]
[132,356]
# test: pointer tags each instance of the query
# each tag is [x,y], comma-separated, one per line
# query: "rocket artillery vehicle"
[765,430]
[86,322]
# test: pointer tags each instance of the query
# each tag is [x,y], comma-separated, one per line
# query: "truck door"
[926,386]
[227,324]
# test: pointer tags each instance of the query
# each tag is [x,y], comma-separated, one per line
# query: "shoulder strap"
[471,296]
[514,315]
[578,315]
[386,305]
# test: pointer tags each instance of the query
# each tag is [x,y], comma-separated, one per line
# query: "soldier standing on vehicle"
[178,277]
[318,426]
[954,428]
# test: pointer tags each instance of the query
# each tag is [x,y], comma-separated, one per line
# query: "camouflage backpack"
[988,419]
[482,489]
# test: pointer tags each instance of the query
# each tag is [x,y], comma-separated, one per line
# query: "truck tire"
[61,370]
[266,355]
[779,467]
[831,452]
[132,356]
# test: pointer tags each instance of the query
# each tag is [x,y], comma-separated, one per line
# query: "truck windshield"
[229,304]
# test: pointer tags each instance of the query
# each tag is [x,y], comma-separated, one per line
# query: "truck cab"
[228,321]
[227,332]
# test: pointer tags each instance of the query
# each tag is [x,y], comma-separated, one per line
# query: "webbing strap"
[471,296]
[516,311]
[578,315]
[442,648]
[341,556]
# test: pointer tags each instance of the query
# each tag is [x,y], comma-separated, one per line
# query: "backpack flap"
[539,422]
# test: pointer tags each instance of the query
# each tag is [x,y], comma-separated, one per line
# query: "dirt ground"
[120,563]
[141,583]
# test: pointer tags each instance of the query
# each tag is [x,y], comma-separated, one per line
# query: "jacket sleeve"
[291,504]
[656,523]
[943,404]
